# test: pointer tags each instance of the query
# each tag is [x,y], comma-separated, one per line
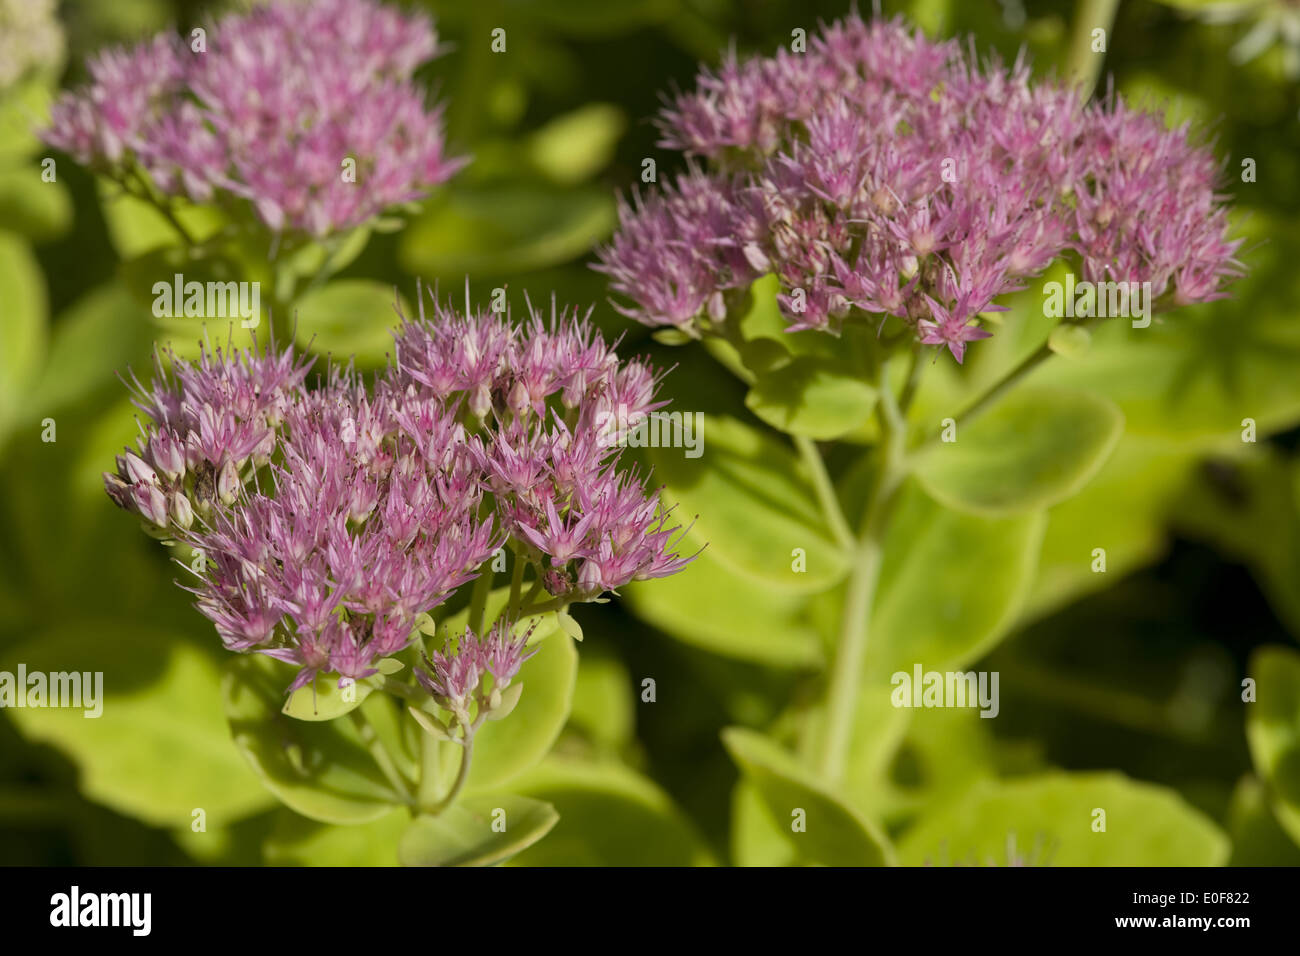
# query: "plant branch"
[851,648]
[826,497]
[1084,65]
[380,753]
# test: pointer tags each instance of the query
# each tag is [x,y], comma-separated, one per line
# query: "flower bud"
[480,402]
[118,490]
[181,511]
[138,471]
[149,500]
[228,483]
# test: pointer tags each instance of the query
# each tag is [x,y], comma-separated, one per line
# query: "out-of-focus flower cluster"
[30,38]
[268,110]
[884,172]
[331,515]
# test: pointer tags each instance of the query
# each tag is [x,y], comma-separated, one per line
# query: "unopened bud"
[228,483]
[137,470]
[149,500]
[182,512]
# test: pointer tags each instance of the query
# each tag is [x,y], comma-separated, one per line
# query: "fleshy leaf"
[1049,820]
[835,834]
[1033,449]
[479,831]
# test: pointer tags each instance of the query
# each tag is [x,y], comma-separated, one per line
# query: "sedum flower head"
[885,173]
[268,112]
[331,514]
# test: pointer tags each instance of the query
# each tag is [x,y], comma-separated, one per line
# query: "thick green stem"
[466,756]
[427,799]
[1084,65]
[826,497]
[851,649]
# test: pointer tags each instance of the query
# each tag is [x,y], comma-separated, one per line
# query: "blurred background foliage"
[1135,672]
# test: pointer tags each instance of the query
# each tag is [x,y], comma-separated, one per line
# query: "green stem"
[462,774]
[999,388]
[478,599]
[825,490]
[427,799]
[851,648]
[147,194]
[1084,66]
[914,368]
[554,604]
[380,753]
[516,587]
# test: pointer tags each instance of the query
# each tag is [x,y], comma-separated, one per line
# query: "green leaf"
[136,227]
[1257,837]
[478,831]
[349,317]
[39,210]
[575,146]
[505,229]
[160,749]
[609,816]
[815,397]
[1031,450]
[755,504]
[951,584]
[23,326]
[754,623]
[320,769]
[325,699]
[1122,510]
[298,841]
[95,339]
[603,698]
[1273,730]
[756,839]
[1048,820]
[24,109]
[835,834]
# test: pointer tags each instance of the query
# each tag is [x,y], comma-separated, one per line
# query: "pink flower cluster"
[330,517]
[268,110]
[883,172]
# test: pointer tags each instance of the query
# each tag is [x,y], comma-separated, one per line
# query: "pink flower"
[884,172]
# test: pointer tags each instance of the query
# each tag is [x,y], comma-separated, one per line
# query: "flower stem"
[851,648]
[462,774]
[1084,65]
[999,388]
[380,753]
[825,490]
[478,598]
[516,587]
[427,798]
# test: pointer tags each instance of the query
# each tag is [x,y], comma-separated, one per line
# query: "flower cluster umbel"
[332,516]
[883,172]
[267,107]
